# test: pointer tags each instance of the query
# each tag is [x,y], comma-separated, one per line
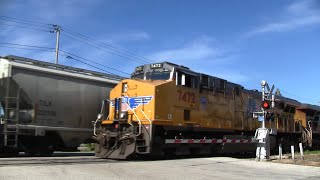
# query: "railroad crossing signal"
[266,104]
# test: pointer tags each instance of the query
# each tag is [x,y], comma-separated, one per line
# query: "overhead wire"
[27,48]
[74,36]
[91,61]
[24,20]
[116,54]
[109,46]
[71,55]
[25,27]
[26,23]
[15,44]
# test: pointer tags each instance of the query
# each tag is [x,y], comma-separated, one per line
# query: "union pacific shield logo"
[133,102]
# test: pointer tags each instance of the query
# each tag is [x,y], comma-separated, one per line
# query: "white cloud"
[33,38]
[65,13]
[232,76]
[297,15]
[198,49]
[63,9]
[122,37]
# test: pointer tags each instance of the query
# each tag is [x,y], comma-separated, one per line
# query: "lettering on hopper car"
[188,97]
[46,108]
[45,102]
[46,113]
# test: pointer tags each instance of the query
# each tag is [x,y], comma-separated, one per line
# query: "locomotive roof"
[256,93]
[309,107]
[187,70]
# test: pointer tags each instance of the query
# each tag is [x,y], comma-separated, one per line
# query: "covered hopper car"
[168,109]
[46,107]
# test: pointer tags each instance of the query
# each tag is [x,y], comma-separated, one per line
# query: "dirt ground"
[309,160]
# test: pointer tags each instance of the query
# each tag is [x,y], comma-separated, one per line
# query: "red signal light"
[265,104]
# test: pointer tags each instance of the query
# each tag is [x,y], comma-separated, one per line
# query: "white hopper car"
[47,107]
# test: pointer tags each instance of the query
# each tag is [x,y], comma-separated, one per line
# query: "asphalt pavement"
[86,166]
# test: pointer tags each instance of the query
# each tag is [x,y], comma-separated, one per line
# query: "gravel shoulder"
[309,160]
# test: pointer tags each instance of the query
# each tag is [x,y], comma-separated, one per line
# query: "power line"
[91,61]
[23,45]
[24,27]
[71,55]
[109,46]
[26,48]
[24,20]
[122,56]
[106,47]
[15,21]
[110,49]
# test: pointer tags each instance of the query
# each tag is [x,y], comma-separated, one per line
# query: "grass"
[312,152]
[86,147]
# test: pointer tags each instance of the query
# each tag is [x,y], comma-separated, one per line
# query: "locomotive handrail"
[99,118]
[150,123]
[140,124]
[95,126]
[310,127]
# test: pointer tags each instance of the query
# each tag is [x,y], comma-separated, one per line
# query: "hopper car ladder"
[11,129]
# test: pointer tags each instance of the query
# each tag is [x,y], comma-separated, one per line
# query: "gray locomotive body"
[47,107]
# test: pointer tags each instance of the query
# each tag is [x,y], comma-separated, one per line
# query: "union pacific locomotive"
[168,109]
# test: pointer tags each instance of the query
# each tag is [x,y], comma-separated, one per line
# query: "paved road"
[89,167]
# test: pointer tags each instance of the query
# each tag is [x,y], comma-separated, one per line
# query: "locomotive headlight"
[124,87]
[100,116]
[123,115]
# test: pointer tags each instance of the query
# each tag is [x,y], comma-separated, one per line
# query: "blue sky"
[241,41]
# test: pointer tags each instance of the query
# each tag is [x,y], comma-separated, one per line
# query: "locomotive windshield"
[138,76]
[158,75]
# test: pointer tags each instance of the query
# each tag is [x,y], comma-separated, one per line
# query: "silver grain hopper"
[47,107]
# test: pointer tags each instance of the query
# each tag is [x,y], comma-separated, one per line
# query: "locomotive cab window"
[138,76]
[165,75]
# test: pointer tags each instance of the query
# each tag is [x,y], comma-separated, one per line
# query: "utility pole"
[57,30]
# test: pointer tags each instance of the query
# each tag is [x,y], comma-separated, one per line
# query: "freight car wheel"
[9,152]
[40,152]
[46,153]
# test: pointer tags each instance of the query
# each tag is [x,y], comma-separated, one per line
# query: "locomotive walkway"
[89,167]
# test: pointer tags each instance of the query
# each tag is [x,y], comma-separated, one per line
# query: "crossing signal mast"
[262,134]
